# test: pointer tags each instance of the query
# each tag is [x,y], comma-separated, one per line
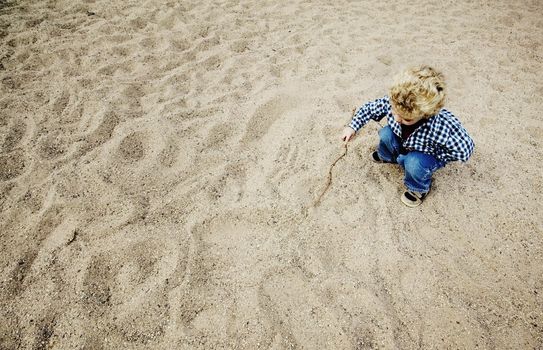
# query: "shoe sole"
[413,204]
[409,203]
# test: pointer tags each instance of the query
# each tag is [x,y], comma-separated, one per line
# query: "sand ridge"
[158,161]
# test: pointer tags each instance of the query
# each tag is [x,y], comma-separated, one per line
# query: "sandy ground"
[159,160]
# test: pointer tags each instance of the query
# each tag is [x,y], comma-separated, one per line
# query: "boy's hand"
[348,134]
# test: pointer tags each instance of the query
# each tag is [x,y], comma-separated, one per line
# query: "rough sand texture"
[158,160]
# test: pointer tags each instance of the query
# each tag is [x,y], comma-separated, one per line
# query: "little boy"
[421,135]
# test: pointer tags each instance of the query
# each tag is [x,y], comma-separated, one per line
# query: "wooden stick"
[329,180]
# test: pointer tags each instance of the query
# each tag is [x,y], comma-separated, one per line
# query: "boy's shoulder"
[445,124]
[445,118]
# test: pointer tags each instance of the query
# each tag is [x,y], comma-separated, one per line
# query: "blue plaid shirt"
[442,136]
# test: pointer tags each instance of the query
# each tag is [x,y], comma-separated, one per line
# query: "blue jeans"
[418,166]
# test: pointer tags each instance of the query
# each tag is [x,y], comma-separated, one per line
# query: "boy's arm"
[453,138]
[460,145]
[375,110]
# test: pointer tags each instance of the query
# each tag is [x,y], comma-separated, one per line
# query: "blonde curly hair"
[418,93]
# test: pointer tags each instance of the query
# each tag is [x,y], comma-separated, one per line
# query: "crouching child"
[421,135]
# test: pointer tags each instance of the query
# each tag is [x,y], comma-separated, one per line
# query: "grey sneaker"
[413,199]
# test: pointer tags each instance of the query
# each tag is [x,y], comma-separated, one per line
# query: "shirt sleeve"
[375,110]
[458,144]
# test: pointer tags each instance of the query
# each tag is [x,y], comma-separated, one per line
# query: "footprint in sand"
[132,147]
[52,146]
[322,315]
[25,263]
[302,312]
[218,135]
[102,133]
[14,136]
[60,104]
[240,46]
[10,329]
[179,44]
[125,281]
[12,165]
[132,95]
[234,252]
[264,117]
[176,154]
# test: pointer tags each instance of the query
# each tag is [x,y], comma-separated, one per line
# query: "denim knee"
[386,134]
[415,166]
